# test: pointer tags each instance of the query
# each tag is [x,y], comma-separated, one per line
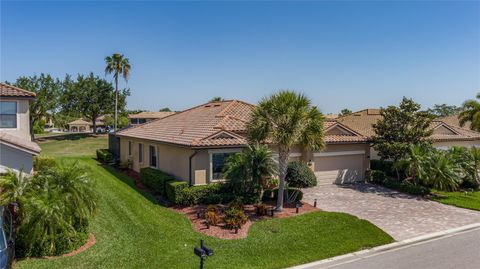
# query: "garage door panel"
[339,169]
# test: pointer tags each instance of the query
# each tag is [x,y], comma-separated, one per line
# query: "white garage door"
[342,168]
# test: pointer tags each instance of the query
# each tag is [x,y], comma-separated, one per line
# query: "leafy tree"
[117,65]
[345,112]
[286,119]
[444,110]
[91,96]
[165,109]
[471,113]
[217,99]
[248,171]
[47,90]
[400,128]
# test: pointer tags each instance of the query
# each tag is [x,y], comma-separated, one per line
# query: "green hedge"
[385,166]
[406,187]
[104,155]
[377,176]
[155,179]
[174,191]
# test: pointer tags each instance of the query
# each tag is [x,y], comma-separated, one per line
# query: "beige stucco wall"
[17,160]
[23,121]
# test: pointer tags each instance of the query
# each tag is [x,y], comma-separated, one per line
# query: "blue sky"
[341,54]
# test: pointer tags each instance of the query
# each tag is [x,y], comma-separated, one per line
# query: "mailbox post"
[202,252]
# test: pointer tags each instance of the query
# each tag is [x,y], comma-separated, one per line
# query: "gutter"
[190,167]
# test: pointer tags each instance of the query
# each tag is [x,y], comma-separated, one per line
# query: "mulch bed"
[221,231]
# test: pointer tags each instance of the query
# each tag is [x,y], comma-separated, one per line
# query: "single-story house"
[193,145]
[85,126]
[446,131]
[16,148]
[147,116]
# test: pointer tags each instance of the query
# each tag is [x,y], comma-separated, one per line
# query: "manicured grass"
[471,200]
[72,145]
[133,231]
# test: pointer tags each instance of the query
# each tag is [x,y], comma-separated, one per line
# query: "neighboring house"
[85,126]
[193,145]
[147,116]
[446,131]
[16,148]
[455,121]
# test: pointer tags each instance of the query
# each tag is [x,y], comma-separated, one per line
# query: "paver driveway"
[400,215]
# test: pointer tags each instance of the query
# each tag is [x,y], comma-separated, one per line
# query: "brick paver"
[400,215]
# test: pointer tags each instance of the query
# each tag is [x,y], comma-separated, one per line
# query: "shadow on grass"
[62,137]
[129,181]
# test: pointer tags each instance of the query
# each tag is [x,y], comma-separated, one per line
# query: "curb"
[384,248]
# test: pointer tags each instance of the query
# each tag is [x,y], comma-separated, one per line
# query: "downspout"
[190,167]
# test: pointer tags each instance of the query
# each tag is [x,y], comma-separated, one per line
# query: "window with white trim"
[218,163]
[8,114]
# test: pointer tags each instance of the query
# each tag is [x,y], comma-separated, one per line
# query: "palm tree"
[442,174]
[249,170]
[286,119]
[13,186]
[118,65]
[471,113]
[414,163]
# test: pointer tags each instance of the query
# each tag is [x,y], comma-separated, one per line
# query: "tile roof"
[363,120]
[215,124]
[19,143]
[453,120]
[12,91]
[150,115]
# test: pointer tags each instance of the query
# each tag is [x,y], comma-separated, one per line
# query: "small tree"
[399,129]
[345,112]
[47,90]
[286,119]
[444,110]
[216,99]
[165,109]
[249,171]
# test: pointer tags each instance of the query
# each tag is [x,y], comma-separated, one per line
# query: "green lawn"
[72,145]
[132,231]
[471,200]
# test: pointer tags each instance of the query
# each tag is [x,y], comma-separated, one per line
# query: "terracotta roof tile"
[362,122]
[150,115]
[12,91]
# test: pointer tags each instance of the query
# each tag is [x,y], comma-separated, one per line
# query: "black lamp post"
[202,252]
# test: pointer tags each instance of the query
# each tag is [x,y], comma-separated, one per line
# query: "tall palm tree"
[249,170]
[286,119]
[471,113]
[118,65]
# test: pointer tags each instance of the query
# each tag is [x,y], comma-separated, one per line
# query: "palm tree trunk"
[116,103]
[282,163]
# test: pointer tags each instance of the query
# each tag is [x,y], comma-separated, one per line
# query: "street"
[461,250]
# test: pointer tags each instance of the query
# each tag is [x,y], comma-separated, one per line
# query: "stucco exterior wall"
[15,159]
[23,121]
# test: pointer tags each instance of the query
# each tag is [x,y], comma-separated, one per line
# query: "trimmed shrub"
[406,187]
[42,163]
[377,176]
[234,218]
[298,194]
[174,191]
[155,179]
[299,175]
[385,166]
[104,155]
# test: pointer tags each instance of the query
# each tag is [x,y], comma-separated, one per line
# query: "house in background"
[16,148]
[147,116]
[85,126]
[194,144]
[446,131]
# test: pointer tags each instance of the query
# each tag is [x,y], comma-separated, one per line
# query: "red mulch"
[221,231]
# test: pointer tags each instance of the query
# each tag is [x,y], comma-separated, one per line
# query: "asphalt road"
[457,251]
